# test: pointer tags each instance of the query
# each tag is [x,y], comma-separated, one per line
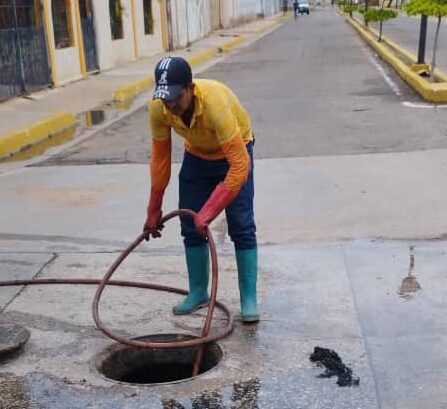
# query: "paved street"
[351,169]
[313,94]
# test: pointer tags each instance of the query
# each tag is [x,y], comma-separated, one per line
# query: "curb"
[129,91]
[14,142]
[433,92]
[227,46]
[268,26]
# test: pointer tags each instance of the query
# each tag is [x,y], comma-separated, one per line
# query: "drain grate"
[127,364]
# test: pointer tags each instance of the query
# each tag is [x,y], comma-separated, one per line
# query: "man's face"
[182,103]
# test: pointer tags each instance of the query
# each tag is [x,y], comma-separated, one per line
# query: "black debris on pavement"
[334,366]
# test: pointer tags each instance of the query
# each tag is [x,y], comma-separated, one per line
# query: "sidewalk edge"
[433,92]
[15,141]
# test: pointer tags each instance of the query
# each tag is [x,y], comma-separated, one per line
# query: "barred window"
[116,19]
[6,15]
[148,19]
[62,23]
[26,11]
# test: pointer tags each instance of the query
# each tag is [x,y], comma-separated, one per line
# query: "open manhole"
[127,364]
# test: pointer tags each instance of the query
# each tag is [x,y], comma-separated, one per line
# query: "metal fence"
[24,65]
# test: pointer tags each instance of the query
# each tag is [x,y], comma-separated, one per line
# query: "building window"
[116,19]
[62,23]
[148,19]
[27,13]
[6,16]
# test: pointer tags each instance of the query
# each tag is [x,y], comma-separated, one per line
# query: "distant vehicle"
[303,7]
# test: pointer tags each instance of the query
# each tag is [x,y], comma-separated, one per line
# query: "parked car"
[303,7]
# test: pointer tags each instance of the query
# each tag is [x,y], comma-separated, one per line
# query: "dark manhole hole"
[12,337]
[155,366]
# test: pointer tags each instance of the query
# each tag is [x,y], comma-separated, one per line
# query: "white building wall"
[228,13]
[215,14]
[123,49]
[191,20]
[103,35]
[148,44]
[249,10]
[271,7]
[234,12]
[110,53]
[115,52]
[68,67]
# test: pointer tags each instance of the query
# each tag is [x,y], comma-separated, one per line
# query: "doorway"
[24,64]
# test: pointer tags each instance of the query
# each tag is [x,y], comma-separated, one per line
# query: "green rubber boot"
[197,262]
[247,267]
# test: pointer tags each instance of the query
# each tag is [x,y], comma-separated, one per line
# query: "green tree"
[347,6]
[380,15]
[431,8]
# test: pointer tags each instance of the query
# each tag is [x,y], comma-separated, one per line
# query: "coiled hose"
[199,342]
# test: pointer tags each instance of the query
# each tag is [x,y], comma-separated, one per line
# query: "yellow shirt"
[220,128]
[218,117]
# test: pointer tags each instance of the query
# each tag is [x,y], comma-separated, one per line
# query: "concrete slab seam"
[14,141]
[433,92]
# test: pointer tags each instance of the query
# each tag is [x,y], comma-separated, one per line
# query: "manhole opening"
[155,366]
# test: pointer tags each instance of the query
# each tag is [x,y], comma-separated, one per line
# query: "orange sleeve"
[239,161]
[160,166]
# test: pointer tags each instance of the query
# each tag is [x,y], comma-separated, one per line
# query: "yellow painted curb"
[13,142]
[202,56]
[433,92]
[267,26]
[128,91]
[227,46]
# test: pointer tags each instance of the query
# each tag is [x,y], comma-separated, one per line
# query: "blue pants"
[197,180]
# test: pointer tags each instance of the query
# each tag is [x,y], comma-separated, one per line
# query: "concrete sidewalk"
[28,120]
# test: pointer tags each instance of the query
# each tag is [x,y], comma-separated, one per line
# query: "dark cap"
[171,75]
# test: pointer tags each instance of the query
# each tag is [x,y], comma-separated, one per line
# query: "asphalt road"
[309,92]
